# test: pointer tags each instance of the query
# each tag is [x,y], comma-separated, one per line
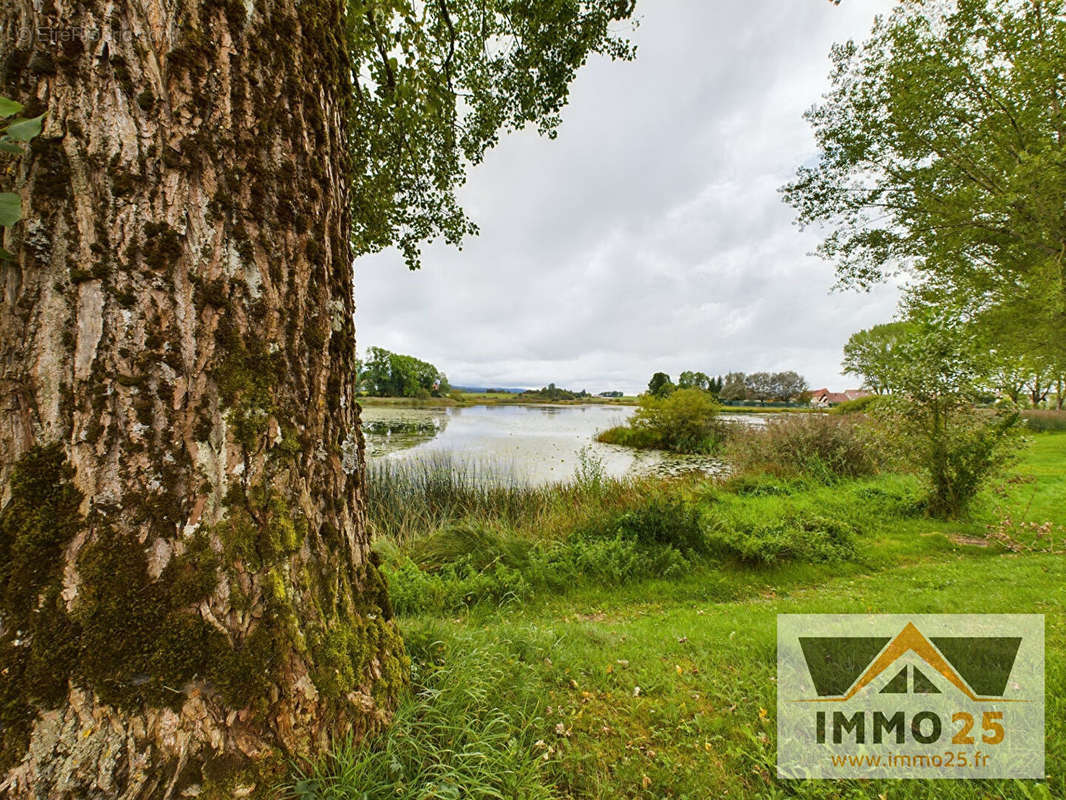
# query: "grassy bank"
[555,681]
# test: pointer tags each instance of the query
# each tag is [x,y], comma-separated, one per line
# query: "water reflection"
[545,443]
[400,428]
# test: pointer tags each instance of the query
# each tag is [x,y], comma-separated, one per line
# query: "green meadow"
[550,662]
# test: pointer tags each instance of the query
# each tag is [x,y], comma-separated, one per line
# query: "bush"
[938,374]
[798,537]
[661,523]
[619,560]
[685,421]
[813,446]
[453,587]
[466,564]
[957,447]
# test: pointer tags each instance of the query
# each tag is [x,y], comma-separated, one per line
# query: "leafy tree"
[387,374]
[871,354]
[694,380]
[786,385]
[554,393]
[734,388]
[715,387]
[931,415]
[1013,368]
[1040,381]
[942,156]
[437,83]
[1006,374]
[178,329]
[685,421]
[660,385]
[760,386]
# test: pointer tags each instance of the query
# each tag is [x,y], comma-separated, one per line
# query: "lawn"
[665,687]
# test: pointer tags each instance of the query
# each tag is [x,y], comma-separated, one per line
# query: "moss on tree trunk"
[187,595]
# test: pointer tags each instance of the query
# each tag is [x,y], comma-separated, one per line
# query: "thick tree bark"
[187,596]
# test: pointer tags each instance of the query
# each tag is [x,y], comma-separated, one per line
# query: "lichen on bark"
[135,639]
[188,598]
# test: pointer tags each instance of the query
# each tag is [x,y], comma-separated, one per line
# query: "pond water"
[537,443]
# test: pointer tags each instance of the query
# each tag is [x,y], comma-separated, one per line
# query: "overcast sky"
[650,235]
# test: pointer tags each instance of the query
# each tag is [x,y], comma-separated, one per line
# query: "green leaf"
[9,147]
[10,208]
[22,130]
[9,107]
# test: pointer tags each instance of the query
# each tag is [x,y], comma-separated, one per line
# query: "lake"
[536,443]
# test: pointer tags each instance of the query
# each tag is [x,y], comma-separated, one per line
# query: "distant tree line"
[554,393]
[388,374]
[736,386]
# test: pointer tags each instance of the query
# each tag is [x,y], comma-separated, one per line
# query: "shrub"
[655,540]
[618,560]
[814,446]
[626,436]
[957,447]
[799,537]
[938,375]
[662,523]
[757,484]
[466,564]
[685,421]
[454,586]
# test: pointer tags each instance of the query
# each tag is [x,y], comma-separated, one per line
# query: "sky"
[651,235]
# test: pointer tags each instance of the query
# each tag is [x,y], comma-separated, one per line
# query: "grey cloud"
[651,234]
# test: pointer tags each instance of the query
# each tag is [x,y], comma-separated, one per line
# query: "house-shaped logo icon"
[844,667]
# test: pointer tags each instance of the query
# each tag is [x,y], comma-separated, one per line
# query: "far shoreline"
[501,398]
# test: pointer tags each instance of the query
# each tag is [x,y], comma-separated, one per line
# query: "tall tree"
[388,374]
[943,155]
[759,385]
[660,385]
[694,380]
[787,385]
[734,387]
[187,595]
[871,355]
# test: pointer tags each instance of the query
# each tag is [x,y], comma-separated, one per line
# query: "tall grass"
[815,446]
[407,500]
[1044,420]
[469,730]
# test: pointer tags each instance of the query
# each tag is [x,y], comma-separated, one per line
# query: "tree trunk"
[187,596]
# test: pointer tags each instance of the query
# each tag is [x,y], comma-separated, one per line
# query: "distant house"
[823,398]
